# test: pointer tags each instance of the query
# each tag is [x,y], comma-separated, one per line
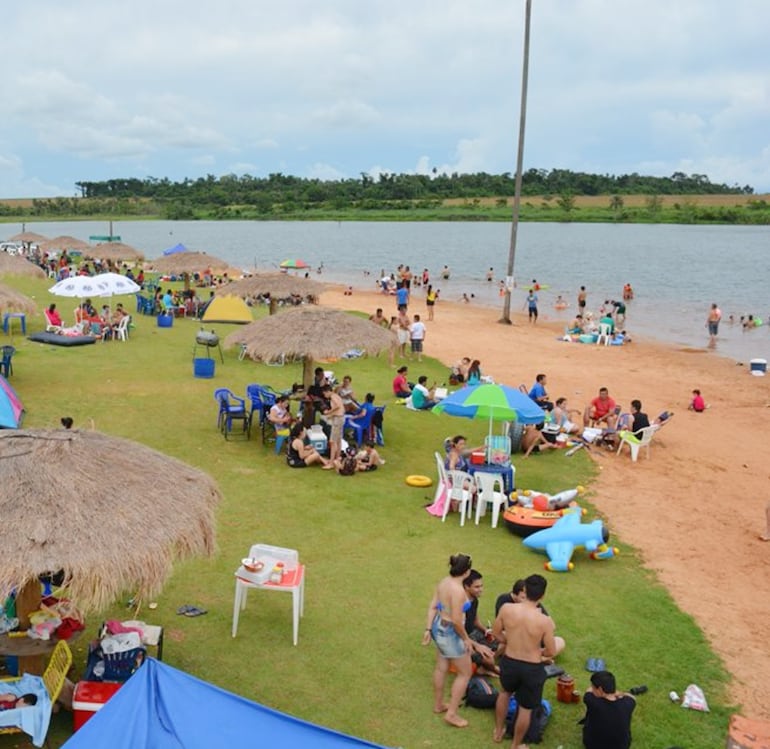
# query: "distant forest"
[555,195]
[280,188]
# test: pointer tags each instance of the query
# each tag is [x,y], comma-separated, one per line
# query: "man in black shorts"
[527,636]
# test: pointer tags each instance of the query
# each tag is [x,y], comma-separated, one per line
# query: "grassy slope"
[373,555]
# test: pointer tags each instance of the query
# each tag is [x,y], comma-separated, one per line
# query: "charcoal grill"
[209,340]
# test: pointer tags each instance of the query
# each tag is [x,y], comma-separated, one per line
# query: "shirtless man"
[379,319]
[527,636]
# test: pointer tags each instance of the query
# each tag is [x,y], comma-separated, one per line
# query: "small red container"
[478,457]
[90,696]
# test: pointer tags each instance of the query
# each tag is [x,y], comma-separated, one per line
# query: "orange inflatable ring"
[416,479]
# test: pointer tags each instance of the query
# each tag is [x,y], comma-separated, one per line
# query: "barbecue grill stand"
[209,340]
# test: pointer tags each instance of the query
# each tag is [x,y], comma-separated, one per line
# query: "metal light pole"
[506,318]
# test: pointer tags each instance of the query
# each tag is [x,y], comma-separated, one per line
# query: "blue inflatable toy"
[565,535]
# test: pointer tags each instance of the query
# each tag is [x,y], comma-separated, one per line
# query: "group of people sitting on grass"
[338,407]
[100,324]
[418,395]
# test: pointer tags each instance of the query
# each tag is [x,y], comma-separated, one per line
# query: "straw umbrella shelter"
[63,242]
[115,251]
[14,301]
[28,237]
[310,333]
[17,265]
[110,513]
[188,262]
[277,285]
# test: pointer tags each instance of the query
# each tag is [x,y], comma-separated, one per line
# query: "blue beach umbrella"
[176,248]
[493,402]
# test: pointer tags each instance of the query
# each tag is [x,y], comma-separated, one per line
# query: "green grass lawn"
[373,555]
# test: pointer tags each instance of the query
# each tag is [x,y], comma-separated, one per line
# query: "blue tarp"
[176,248]
[160,707]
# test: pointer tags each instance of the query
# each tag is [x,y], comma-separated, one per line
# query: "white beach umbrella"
[105,284]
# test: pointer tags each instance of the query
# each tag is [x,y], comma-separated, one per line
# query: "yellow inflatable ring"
[416,480]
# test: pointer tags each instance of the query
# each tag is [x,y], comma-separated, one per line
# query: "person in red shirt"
[401,387]
[602,410]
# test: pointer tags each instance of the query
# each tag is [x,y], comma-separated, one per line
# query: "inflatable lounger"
[61,340]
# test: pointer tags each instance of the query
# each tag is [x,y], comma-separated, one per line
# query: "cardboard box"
[89,697]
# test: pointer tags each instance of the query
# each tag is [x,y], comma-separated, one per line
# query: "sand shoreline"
[696,507]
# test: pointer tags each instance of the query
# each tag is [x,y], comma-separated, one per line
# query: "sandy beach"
[696,508]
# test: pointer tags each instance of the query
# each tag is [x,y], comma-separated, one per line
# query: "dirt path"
[696,507]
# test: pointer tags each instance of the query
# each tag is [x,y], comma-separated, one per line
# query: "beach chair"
[460,491]
[491,491]
[605,334]
[6,366]
[49,685]
[231,408]
[635,444]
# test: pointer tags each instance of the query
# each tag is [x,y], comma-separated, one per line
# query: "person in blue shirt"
[532,306]
[402,297]
[539,394]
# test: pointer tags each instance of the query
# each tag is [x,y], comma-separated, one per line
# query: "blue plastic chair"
[231,408]
[360,427]
[377,424]
[6,366]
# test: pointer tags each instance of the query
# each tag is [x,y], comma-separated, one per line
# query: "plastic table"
[293,582]
[8,317]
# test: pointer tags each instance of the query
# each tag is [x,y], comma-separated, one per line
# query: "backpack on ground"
[537,723]
[480,693]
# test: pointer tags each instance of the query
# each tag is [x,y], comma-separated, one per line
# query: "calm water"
[676,271]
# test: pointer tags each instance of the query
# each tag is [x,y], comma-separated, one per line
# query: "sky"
[92,91]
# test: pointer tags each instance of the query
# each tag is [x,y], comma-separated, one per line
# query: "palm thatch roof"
[189,262]
[63,242]
[28,236]
[310,333]
[111,513]
[115,251]
[14,301]
[279,285]
[18,265]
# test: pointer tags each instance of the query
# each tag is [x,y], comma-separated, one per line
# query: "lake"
[676,271]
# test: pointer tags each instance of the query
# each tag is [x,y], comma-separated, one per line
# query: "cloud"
[307,88]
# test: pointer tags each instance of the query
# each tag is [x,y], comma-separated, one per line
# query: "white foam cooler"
[758,367]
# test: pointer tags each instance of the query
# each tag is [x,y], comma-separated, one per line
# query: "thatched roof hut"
[310,333]
[278,285]
[111,513]
[18,265]
[188,262]
[115,251]
[14,301]
[28,237]
[63,242]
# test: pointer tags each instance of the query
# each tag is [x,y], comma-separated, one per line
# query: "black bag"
[480,693]
[537,724]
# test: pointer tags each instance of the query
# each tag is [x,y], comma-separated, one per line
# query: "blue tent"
[160,707]
[176,248]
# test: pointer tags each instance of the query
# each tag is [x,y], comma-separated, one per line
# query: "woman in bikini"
[445,625]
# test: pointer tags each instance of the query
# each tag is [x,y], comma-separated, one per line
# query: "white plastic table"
[293,582]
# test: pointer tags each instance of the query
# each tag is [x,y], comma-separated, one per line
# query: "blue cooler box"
[204,368]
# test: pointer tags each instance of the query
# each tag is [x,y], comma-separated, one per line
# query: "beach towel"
[32,720]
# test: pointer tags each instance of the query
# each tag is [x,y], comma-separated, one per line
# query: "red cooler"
[90,696]
[478,457]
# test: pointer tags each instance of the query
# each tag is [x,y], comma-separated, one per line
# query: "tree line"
[278,188]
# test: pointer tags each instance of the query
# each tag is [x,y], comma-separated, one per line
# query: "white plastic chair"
[442,485]
[293,582]
[491,491]
[460,491]
[605,334]
[121,332]
[635,443]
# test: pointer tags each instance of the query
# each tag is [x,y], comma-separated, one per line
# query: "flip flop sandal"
[194,611]
[595,664]
[183,609]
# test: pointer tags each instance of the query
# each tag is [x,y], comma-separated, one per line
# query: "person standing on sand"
[430,300]
[712,323]
[531,303]
[527,636]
